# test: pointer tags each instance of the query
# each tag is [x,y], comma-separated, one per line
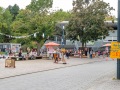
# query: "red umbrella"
[108,44]
[52,44]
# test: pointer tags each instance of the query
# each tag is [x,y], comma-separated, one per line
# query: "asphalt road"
[81,77]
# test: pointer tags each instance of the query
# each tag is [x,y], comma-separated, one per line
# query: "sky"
[57,4]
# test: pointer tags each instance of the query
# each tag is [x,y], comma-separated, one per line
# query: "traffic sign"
[115,50]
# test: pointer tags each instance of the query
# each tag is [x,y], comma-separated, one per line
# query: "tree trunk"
[85,44]
[82,45]
[38,48]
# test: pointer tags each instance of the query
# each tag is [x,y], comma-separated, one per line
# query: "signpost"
[118,39]
[115,50]
[115,47]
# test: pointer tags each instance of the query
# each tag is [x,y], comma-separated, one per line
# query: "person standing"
[80,53]
[86,51]
[55,56]
[67,54]
[20,55]
[104,53]
[98,53]
[63,58]
[91,53]
[107,51]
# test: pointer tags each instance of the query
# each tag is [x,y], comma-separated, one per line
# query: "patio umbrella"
[52,44]
[108,44]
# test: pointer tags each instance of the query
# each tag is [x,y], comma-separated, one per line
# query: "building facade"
[7,47]
[96,44]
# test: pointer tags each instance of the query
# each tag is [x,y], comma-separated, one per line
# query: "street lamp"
[63,41]
[118,39]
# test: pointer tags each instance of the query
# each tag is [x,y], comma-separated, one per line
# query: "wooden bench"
[27,58]
[38,57]
[17,58]
[83,56]
[35,57]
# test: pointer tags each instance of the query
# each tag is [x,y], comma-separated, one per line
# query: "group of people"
[92,53]
[85,52]
[103,53]
[30,54]
[59,55]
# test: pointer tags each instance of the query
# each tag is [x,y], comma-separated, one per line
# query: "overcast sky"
[57,4]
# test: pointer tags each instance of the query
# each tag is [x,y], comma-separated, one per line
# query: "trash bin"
[10,63]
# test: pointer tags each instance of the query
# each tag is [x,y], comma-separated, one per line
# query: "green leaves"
[87,21]
[40,5]
[14,10]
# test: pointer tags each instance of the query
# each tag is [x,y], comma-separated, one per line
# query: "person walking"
[56,56]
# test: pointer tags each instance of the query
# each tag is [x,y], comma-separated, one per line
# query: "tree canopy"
[5,21]
[14,10]
[40,5]
[30,21]
[87,21]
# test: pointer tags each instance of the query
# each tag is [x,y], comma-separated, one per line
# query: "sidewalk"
[107,82]
[33,66]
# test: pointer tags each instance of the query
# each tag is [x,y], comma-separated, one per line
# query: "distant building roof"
[108,23]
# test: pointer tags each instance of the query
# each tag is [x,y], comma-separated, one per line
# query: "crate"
[10,63]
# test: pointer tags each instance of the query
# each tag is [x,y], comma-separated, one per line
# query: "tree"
[43,24]
[40,21]
[20,27]
[58,17]
[14,10]
[34,24]
[40,5]
[5,21]
[61,15]
[87,22]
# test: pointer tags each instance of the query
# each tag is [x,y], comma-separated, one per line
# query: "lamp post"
[118,39]
[63,41]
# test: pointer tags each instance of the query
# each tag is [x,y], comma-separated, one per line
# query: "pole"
[63,35]
[118,39]
[56,39]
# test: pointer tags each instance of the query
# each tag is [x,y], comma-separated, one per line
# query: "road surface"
[81,77]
